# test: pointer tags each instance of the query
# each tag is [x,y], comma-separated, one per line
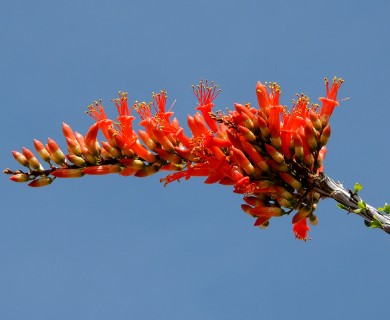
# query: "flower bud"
[56,153]
[74,147]
[68,173]
[33,162]
[78,161]
[41,182]
[325,135]
[247,209]
[133,163]
[147,171]
[315,120]
[274,154]
[242,161]
[168,156]
[301,214]
[19,157]
[20,177]
[114,152]
[289,179]
[263,127]
[247,134]
[147,140]
[310,135]
[103,169]
[43,153]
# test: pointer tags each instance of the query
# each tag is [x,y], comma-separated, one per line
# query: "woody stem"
[328,188]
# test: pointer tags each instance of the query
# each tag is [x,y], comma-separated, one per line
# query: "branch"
[351,201]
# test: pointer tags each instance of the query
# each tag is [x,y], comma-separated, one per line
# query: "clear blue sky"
[127,248]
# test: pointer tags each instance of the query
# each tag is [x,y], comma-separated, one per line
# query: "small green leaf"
[376,224]
[357,210]
[357,188]
[373,224]
[386,208]
[362,205]
[341,206]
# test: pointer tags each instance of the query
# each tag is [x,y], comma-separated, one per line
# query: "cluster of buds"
[268,154]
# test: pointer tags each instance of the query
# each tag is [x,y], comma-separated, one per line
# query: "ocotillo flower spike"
[274,157]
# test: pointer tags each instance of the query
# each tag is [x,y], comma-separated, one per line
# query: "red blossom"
[301,229]
[267,153]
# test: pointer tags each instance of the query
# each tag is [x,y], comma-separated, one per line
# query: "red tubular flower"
[330,102]
[206,94]
[97,112]
[262,97]
[301,229]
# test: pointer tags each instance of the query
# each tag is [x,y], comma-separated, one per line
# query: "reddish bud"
[56,153]
[247,134]
[185,153]
[310,135]
[168,156]
[74,147]
[142,152]
[43,153]
[68,132]
[147,140]
[172,167]
[254,155]
[133,163]
[20,177]
[183,138]
[200,124]
[263,127]
[78,161]
[19,157]
[41,182]
[163,139]
[298,147]
[90,139]
[103,169]
[325,135]
[315,120]
[254,201]
[114,152]
[274,154]
[148,171]
[247,209]
[289,179]
[242,161]
[32,161]
[68,173]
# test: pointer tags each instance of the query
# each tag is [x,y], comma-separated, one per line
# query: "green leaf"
[357,188]
[362,205]
[341,206]
[376,224]
[386,208]
[373,224]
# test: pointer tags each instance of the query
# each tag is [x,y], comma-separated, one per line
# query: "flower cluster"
[268,154]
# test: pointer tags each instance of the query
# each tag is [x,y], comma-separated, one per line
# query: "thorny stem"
[328,188]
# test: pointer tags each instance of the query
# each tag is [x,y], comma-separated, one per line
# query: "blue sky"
[128,248]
